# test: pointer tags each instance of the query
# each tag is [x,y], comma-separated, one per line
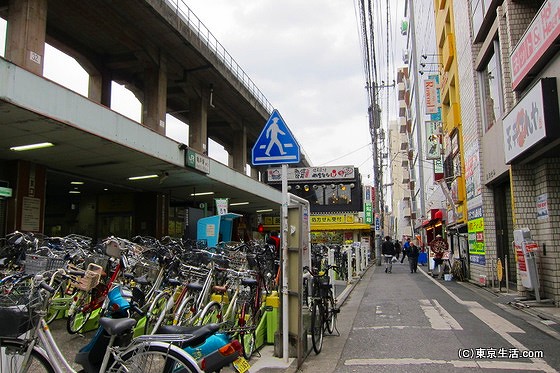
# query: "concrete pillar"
[26,209]
[25,40]
[198,122]
[154,106]
[99,89]
[238,155]
[254,173]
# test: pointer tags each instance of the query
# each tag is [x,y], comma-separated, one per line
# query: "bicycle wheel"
[12,353]
[317,326]
[155,358]
[330,314]
[248,337]
[211,314]
[54,307]
[156,312]
[77,318]
[186,312]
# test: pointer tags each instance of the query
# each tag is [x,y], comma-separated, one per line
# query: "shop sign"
[538,38]
[430,94]
[368,213]
[313,173]
[271,220]
[477,247]
[433,144]
[436,116]
[532,120]
[5,192]
[197,161]
[332,219]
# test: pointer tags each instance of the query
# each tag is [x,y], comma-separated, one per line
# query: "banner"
[221,205]
[434,148]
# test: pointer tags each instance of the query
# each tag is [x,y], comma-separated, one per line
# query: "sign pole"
[284,241]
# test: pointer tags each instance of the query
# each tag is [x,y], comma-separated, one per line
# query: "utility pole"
[374,114]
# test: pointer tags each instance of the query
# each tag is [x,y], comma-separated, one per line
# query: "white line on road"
[438,317]
[500,325]
[483,364]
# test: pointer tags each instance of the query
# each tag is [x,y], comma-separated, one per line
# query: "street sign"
[276,144]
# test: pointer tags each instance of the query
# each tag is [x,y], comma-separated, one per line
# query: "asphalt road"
[410,322]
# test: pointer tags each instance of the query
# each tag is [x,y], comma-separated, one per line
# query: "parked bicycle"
[322,305]
[27,345]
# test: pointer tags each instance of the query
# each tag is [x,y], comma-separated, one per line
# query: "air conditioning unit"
[405,57]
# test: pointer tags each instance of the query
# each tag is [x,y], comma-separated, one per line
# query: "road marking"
[438,317]
[500,325]
[483,364]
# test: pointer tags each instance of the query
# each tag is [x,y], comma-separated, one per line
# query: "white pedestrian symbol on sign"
[275,144]
[272,133]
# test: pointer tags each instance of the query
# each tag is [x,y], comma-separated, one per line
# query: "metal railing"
[206,37]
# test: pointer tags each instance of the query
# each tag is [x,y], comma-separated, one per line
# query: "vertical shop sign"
[431,96]
[436,116]
[433,140]
[368,204]
[477,247]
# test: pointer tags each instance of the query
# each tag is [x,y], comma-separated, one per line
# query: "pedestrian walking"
[413,253]
[398,249]
[405,248]
[388,252]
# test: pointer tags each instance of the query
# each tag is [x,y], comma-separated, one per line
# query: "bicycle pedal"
[337,310]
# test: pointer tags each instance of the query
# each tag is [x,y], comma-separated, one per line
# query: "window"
[491,90]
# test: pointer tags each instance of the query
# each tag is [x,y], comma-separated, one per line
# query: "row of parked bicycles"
[164,305]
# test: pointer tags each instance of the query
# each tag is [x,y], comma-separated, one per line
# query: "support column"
[26,209]
[238,156]
[198,123]
[155,97]
[26,31]
[99,89]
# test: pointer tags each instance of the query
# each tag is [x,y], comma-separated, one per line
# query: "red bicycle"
[90,297]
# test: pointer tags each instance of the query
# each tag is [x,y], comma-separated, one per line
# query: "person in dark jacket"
[398,249]
[388,252]
[413,254]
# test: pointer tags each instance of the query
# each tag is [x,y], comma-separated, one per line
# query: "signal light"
[260,228]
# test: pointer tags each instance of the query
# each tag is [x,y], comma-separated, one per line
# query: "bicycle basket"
[90,279]
[37,263]
[18,310]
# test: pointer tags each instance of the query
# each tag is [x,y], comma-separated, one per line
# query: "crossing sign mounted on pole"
[276,144]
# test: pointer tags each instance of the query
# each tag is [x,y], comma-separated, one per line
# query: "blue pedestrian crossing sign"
[276,144]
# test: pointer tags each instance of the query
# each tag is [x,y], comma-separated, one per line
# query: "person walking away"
[388,252]
[398,249]
[413,254]
[405,248]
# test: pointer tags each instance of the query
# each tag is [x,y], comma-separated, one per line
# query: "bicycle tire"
[12,352]
[185,312]
[77,319]
[156,313]
[249,338]
[58,295]
[317,327]
[330,313]
[210,314]
[154,357]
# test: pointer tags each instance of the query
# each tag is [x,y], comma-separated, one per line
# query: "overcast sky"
[306,58]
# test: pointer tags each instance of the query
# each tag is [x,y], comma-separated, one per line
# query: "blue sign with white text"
[276,144]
